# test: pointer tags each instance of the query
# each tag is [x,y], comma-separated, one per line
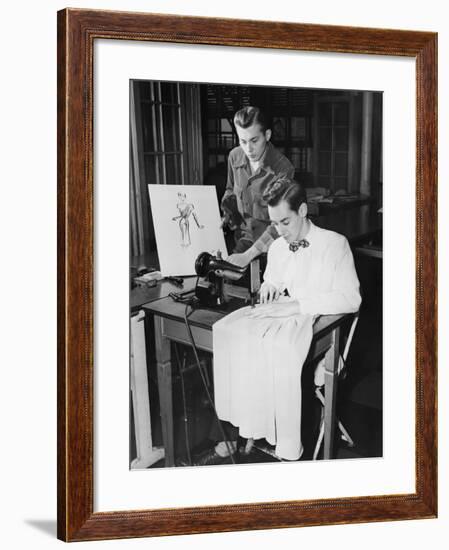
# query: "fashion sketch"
[185,211]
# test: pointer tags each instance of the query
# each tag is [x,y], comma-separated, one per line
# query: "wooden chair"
[319,392]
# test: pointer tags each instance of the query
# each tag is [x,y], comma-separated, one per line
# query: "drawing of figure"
[185,210]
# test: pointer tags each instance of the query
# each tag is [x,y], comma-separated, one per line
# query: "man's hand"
[226,220]
[232,216]
[275,309]
[268,293]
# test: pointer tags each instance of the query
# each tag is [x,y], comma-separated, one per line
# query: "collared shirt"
[321,277]
[249,188]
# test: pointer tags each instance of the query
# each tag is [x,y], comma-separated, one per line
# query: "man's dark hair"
[285,189]
[248,116]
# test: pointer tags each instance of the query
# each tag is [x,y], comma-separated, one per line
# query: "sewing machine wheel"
[202,264]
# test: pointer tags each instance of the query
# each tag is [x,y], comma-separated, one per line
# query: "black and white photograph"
[119,128]
[255,274]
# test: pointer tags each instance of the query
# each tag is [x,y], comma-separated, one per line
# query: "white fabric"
[257,376]
[258,362]
[321,277]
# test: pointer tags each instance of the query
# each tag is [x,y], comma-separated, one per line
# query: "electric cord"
[184,402]
[186,297]
[209,397]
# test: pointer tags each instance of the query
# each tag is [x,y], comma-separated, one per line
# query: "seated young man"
[259,352]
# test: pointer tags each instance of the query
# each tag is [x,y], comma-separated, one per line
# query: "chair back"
[344,355]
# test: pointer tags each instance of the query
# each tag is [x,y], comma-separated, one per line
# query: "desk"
[141,295]
[169,326]
[146,454]
[358,224]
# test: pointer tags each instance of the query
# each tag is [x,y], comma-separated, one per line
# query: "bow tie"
[298,244]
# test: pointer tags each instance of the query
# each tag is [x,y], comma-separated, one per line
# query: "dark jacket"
[249,188]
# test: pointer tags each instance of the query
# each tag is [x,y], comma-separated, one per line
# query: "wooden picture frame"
[77,31]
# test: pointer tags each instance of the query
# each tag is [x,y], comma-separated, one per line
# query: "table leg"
[146,453]
[330,392]
[164,378]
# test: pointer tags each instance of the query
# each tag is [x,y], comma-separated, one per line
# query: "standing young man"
[251,167]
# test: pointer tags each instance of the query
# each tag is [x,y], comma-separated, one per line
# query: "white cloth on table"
[258,362]
[257,376]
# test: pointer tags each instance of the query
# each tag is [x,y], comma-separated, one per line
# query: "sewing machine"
[214,272]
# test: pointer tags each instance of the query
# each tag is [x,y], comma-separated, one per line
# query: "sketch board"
[186,222]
